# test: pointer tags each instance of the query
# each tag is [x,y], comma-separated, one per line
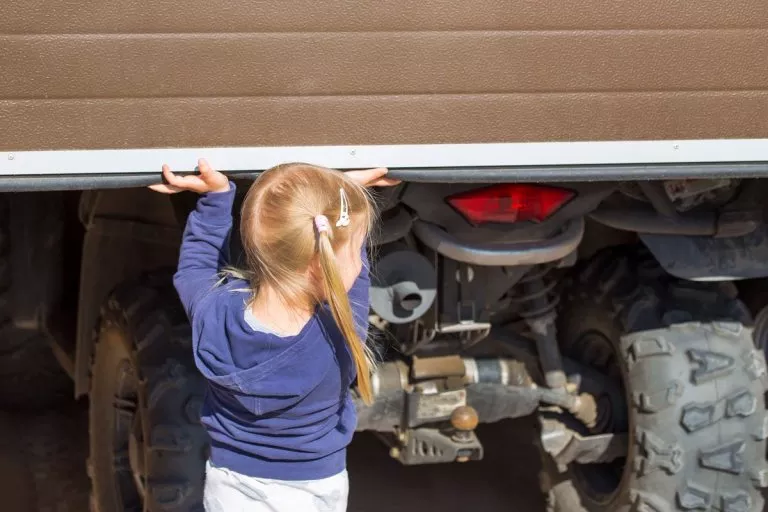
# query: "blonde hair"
[280,243]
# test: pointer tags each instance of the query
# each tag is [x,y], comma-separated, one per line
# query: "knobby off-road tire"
[30,375]
[697,418]
[147,447]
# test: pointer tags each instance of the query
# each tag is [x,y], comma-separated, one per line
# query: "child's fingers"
[190,182]
[215,181]
[375,174]
[386,182]
[171,178]
[367,177]
[204,167]
[168,174]
[164,189]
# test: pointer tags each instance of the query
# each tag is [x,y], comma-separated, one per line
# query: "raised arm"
[358,296]
[205,246]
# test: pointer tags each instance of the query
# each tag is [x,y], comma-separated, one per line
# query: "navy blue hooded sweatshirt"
[276,407]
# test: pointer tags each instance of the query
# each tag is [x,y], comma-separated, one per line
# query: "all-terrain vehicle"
[580,233]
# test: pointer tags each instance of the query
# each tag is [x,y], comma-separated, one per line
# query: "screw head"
[11,157]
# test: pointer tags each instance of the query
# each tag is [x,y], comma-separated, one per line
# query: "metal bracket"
[431,404]
[420,336]
[566,446]
[431,446]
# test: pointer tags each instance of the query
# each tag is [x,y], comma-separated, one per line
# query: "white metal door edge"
[133,161]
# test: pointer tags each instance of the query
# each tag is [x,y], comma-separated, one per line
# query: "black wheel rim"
[601,483]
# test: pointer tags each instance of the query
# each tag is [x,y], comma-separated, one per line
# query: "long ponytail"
[341,310]
[281,245]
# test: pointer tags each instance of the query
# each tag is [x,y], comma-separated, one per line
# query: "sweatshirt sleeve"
[204,247]
[358,296]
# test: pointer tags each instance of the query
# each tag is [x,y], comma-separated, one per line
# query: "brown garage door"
[94,74]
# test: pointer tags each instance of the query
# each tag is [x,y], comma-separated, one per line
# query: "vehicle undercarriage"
[612,311]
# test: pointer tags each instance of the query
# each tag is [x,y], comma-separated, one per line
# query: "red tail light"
[510,203]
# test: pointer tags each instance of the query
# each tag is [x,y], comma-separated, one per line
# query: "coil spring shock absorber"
[536,297]
[536,306]
[537,303]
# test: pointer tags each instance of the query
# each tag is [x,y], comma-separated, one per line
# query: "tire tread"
[699,423]
[148,312]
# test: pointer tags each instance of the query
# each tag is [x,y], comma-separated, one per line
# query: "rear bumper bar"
[502,254]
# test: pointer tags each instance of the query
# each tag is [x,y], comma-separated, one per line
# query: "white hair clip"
[344,210]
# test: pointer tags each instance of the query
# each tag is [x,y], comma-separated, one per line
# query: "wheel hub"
[601,480]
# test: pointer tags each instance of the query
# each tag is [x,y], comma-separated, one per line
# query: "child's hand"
[208,180]
[373,177]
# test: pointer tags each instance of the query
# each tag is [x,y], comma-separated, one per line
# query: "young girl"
[281,343]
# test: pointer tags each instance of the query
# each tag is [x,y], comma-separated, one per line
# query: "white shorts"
[227,491]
